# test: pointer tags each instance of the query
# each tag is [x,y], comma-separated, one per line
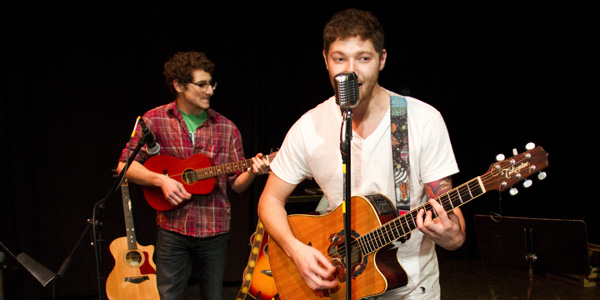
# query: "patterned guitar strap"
[399,132]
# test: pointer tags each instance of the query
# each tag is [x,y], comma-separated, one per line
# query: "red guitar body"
[182,170]
[196,173]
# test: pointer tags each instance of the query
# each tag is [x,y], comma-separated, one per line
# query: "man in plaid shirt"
[197,229]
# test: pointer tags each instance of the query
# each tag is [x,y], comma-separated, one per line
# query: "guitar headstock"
[507,172]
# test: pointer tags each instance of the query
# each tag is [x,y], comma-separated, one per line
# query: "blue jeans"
[175,256]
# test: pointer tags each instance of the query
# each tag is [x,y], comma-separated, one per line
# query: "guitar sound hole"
[189,176]
[133,258]
[337,252]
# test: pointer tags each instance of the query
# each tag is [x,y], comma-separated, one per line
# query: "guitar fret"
[381,237]
[378,240]
[372,244]
[413,220]
[469,189]
[459,197]
[450,198]
[365,242]
[371,241]
[361,244]
[397,231]
[388,235]
[479,189]
[465,196]
[480,185]
[433,212]
[407,228]
[446,206]
[451,203]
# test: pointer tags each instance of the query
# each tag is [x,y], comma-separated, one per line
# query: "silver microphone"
[345,85]
[152,147]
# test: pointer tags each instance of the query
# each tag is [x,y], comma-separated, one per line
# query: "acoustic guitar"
[134,274]
[257,280]
[196,173]
[375,225]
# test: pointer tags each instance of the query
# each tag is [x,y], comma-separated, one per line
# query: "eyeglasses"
[204,84]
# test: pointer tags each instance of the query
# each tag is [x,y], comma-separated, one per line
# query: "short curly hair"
[354,22]
[181,66]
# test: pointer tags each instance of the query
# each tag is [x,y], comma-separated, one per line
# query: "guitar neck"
[404,224]
[227,168]
[131,239]
[500,176]
[252,259]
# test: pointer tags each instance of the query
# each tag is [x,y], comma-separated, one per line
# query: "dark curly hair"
[182,64]
[353,22]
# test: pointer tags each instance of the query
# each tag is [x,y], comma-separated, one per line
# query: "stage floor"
[468,279]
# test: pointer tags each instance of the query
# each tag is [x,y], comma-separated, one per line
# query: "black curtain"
[76,75]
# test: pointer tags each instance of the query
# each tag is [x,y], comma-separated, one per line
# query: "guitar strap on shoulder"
[400,161]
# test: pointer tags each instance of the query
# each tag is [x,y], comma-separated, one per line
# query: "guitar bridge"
[137,279]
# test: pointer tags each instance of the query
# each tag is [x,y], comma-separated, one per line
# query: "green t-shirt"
[193,121]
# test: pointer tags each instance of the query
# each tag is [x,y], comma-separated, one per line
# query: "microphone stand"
[345,146]
[95,224]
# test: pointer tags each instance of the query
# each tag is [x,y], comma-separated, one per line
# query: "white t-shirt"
[311,149]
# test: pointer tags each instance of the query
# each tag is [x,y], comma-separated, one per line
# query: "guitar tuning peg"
[513,191]
[542,175]
[527,183]
[530,146]
[515,152]
[500,157]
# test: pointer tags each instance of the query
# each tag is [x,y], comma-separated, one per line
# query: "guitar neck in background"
[228,168]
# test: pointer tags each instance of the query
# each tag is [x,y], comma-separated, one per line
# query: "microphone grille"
[346,89]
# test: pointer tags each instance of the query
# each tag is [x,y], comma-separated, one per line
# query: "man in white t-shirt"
[353,42]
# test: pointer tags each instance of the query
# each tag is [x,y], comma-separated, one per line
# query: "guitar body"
[375,226]
[257,278]
[197,174]
[134,274]
[181,170]
[379,270]
[262,286]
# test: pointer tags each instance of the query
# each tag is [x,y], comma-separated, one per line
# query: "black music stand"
[543,245]
[42,274]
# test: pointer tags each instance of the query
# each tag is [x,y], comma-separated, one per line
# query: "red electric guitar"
[196,173]
[375,225]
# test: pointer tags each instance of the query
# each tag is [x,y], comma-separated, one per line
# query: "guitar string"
[217,170]
[209,171]
[451,198]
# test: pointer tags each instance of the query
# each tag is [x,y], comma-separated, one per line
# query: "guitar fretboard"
[403,225]
[131,239]
[226,168]
[252,259]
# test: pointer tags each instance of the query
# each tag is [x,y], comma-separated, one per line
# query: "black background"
[77,74]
